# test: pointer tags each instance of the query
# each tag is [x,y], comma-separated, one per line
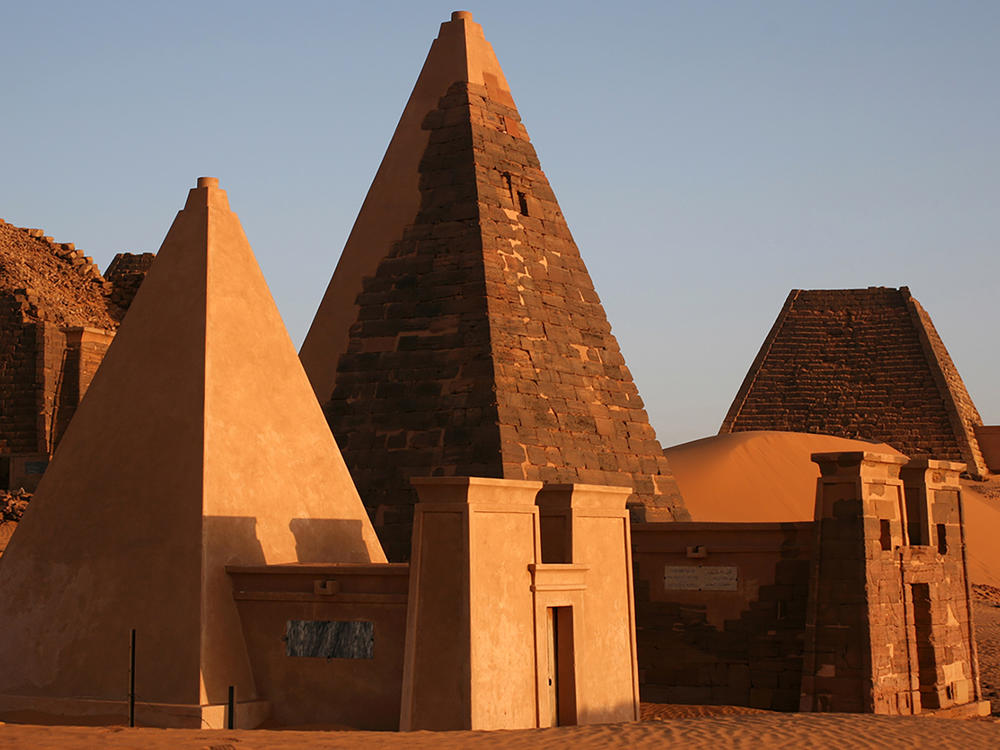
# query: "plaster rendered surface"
[363,693]
[599,534]
[483,608]
[459,53]
[199,444]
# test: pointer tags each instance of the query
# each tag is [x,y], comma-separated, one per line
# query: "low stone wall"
[720,612]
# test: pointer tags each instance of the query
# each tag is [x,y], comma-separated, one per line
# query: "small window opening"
[942,536]
[917,523]
[949,691]
[781,613]
[885,536]
[522,202]
[508,184]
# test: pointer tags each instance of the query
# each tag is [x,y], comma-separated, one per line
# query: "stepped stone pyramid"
[199,445]
[461,333]
[860,363]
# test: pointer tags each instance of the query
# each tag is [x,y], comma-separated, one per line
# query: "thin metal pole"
[131,679]
[230,720]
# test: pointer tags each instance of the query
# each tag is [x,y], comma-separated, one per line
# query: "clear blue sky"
[709,156]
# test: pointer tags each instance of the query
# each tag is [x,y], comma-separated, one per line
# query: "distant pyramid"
[198,445]
[461,333]
[860,363]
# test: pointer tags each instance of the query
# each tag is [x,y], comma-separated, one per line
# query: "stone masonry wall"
[866,609]
[889,624]
[569,409]
[480,346]
[859,363]
[739,647]
[962,412]
[936,581]
[18,408]
[126,273]
[414,394]
[56,321]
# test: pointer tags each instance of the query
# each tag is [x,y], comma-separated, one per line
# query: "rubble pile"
[13,504]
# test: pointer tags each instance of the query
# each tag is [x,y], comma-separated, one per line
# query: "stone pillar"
[470,634]
[856,656]
[935,577]
[85,349]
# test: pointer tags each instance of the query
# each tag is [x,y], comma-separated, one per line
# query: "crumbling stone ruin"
[464,336]
[58,315]
[13,505]
[866,609]
[860,363]
[125,273]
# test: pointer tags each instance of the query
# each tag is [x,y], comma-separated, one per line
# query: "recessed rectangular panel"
[325,639]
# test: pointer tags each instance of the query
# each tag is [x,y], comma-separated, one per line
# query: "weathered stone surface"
[889,626]
[860,363]
[479,346]
[56,318]
[125,274]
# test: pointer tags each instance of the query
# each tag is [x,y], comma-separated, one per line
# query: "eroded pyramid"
[199,444]
[860,363]
[461,333]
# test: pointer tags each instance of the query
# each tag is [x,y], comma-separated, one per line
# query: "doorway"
[561,666]
[926,661]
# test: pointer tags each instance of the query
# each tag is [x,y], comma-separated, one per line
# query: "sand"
[987,622]
[714,731]
[745,477]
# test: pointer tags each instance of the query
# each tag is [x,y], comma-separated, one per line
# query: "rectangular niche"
[323,639]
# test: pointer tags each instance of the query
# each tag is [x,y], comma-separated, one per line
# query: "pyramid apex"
[459,15]
[207,193]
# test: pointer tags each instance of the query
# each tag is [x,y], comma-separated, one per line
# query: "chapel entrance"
[561,676]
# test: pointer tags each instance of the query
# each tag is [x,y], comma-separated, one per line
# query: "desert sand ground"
[711,731]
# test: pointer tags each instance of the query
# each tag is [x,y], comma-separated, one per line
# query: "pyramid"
[461,333]
[199,445]
[865,364]
[56,319]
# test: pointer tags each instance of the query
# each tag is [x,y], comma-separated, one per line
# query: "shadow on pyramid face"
[316,538]
[240,533]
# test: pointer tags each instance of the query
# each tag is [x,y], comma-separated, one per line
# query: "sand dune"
[755,476]
[982,532]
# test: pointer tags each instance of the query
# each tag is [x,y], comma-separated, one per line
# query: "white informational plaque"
[701,578]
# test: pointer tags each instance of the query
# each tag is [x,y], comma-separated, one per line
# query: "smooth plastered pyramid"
[461,333]
[200,444]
